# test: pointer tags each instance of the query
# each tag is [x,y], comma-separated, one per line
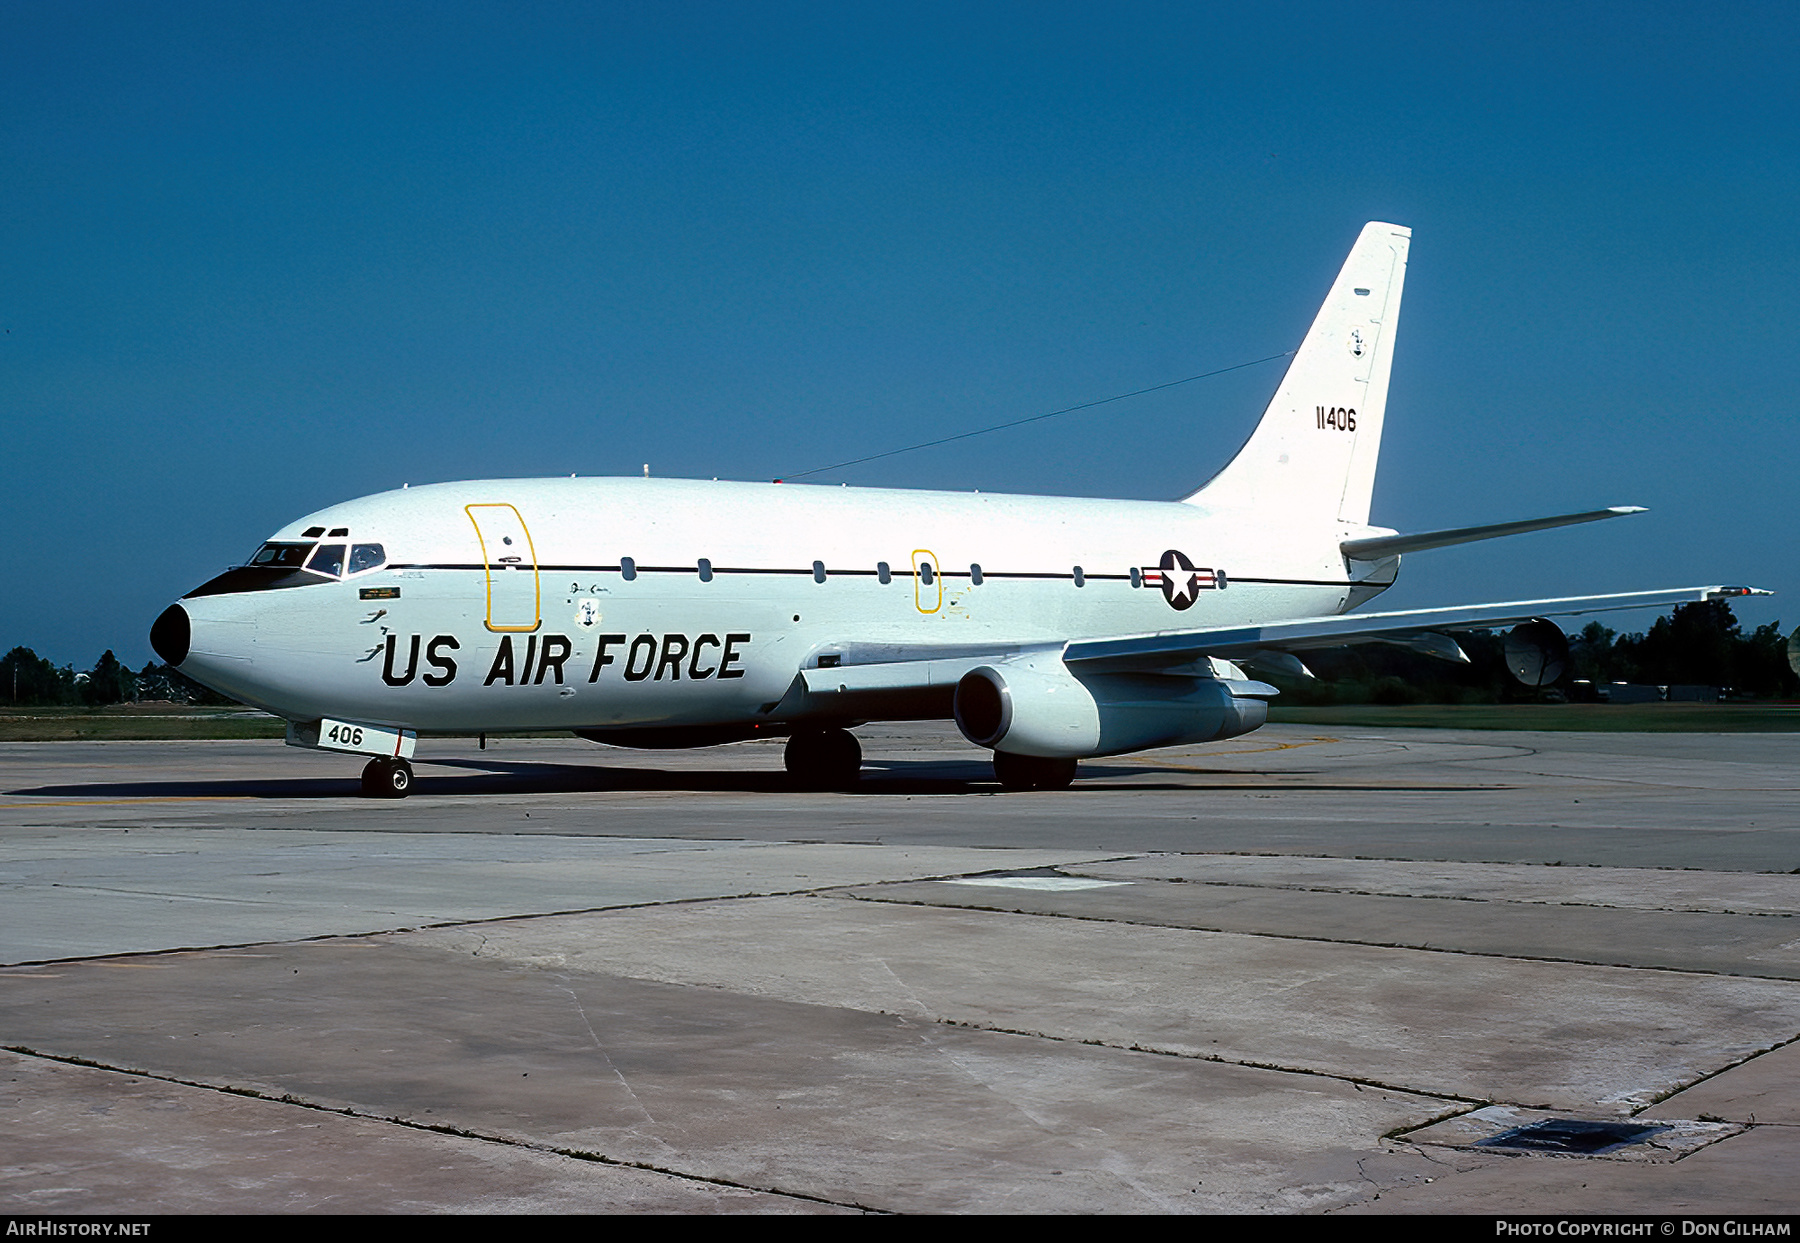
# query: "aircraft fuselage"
[614,603]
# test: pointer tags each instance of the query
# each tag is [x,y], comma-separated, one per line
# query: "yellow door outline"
[924,556]
[489,563]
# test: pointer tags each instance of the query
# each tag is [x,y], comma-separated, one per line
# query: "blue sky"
[255,259]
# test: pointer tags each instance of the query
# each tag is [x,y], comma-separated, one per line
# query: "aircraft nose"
[170,635]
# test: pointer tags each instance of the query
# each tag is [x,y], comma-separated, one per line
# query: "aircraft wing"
[907,678]
[1170,648]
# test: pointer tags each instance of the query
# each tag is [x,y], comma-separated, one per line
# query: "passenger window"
[818,571]
[328,560]
[883,574]
[627,569]
[975,575]
[366,557]
[705,569]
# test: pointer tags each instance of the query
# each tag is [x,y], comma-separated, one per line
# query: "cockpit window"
[366,557]
[282,556]
[328,560]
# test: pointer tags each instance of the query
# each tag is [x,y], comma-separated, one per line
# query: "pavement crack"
[1348,891]
[1356,1081]
[1399,1133]
[1713,1074]
[1416,947]
[607,1058]
[439,1128]
[924,1011]
[984,1084]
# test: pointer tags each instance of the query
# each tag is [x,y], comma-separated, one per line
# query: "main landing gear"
[824,759]
[385,778]
[1032,772]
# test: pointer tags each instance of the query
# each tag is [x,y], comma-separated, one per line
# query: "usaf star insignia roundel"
[1180,580]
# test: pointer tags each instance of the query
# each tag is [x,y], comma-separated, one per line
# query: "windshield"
[328,560]
[366,557]
[282,556]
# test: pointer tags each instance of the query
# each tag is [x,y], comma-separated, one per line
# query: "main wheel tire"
[824,759]
[372,777]
[385,778]
[1032,772]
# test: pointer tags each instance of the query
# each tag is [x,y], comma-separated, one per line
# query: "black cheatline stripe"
[751,569]
[1309,582]
[894,573]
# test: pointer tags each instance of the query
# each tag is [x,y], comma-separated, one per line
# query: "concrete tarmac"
[1307,970]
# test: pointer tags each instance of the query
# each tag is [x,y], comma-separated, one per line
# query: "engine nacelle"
[1537,652]
[1035,706]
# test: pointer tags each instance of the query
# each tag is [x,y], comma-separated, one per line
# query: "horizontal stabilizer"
[1167,649]
[1376,547]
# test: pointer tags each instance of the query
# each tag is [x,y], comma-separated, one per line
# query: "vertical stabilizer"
[1312,458]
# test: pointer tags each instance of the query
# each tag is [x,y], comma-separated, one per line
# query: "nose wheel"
[385,778]
[824,759]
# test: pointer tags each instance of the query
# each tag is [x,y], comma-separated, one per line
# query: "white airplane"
[675,613]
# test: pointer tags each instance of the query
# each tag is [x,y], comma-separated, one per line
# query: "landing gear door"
[513,596]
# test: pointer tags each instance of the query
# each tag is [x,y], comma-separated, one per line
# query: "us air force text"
[645,657]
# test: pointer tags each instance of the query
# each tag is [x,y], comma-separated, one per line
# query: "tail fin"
[1312,458]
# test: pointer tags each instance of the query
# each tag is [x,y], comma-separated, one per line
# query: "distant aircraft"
[666,613]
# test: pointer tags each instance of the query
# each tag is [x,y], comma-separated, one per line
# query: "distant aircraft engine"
[1537,652]
[1037,707]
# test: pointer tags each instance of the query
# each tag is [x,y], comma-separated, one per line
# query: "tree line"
[27,679]
[1699,644]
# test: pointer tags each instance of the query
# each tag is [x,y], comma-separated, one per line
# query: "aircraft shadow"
[881,778]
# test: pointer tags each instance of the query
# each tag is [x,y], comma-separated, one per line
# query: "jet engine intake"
[1036,706]
[1537,652]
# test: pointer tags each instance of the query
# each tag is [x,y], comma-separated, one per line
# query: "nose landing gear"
[385,778]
